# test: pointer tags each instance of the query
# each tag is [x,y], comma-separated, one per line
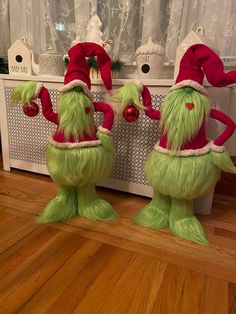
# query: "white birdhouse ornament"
[19,58]
[150,60]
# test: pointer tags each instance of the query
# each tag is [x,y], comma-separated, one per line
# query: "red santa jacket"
[199,144]
[58,138]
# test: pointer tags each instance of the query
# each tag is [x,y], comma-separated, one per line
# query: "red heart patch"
[190,105]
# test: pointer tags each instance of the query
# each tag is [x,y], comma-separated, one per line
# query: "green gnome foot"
[99,209]
[155,215]
[62,207]
[92,207]
[184,224]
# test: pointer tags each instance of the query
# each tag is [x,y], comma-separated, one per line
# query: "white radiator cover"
[24,139]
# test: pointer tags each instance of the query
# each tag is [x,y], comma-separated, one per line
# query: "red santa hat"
[77,73]
[197,61]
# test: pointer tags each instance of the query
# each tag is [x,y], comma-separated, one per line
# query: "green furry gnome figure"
[79,154]
[184,163]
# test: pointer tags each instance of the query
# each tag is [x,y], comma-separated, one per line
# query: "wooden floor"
[110,268]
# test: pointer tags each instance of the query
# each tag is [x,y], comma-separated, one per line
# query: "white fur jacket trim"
[190,152]
[68,145]
[37,90]
[216,148]
[75,83]
[104,130]
[190,83]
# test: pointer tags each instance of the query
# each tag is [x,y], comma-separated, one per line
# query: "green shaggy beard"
[72,116]
[178,122]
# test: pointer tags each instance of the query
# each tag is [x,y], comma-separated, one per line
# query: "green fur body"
[186,177]
[181,176]
[179,123]
[79,166]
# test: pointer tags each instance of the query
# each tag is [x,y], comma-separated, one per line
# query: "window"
[128,23]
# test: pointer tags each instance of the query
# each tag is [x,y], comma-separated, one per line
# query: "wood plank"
[232,298]
[100,290]
[170,291]
[192,298]
[4,311]
[5,217]
[21,251]
[148,289]
[25,230]
[225,233]
[25,214]
[22,242]
[20,273]
[43,300]
[216,296]
[31,207]
[31,199]
[137,276]
[29,287]
[11,227]
[82,281]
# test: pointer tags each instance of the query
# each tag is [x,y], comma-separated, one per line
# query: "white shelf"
[115,82]
[58,79]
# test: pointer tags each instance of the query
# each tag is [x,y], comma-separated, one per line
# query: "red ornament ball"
[131,114]
[31,109]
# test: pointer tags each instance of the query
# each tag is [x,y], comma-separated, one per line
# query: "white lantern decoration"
[19,57]
[150,60]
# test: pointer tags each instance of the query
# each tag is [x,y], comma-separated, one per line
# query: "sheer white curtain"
[155,20]
[218,18]
[44,23]
[128,23]
[122,20]
[4,27]
[56,23]
[26,20]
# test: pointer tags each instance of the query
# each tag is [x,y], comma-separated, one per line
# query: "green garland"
[92,63]
[3,66]
[116,65]
[66,61]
